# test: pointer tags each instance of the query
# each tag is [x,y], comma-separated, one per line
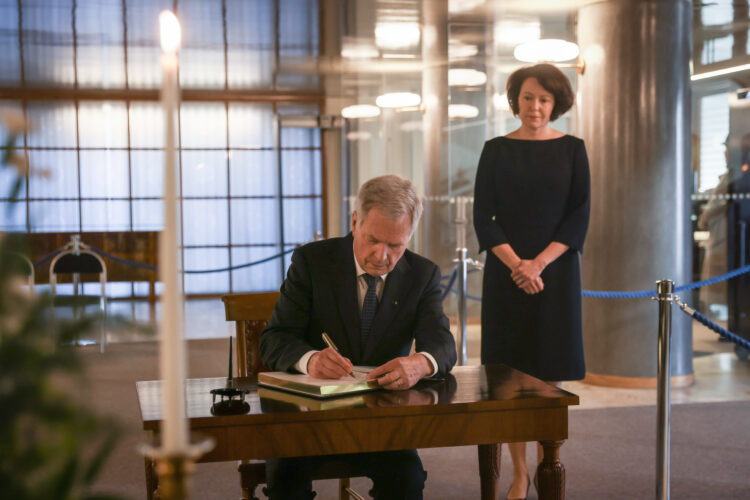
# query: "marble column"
[634,106]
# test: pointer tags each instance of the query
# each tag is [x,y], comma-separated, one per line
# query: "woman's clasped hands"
[526,275]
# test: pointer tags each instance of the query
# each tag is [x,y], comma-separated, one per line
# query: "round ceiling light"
[360,111]
[549,50]
[359,135]
[398,100]
[464,77]
[462,111]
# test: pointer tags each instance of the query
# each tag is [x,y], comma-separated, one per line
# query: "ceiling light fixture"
[500,101]
[462,111]
[720,72]
[460,50]
[397,35]
[466,77]
[398,100]
[360,111]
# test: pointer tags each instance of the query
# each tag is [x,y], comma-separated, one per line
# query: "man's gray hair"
[393,195]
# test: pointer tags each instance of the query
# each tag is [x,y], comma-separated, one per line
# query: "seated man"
[373,298]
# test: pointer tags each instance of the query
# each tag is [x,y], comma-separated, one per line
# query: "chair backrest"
[251,312]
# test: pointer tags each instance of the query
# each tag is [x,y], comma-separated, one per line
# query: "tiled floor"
[719,374]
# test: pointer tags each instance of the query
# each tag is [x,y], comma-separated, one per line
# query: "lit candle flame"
[171,35]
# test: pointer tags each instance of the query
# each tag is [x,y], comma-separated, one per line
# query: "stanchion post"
[664,289]
[461,258]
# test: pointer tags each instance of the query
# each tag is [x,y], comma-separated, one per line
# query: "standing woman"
[531,212]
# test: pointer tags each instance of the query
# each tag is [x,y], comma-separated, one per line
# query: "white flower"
[14,122]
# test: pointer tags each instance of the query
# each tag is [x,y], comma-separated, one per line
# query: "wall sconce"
[552,51]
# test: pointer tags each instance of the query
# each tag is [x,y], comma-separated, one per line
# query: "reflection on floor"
[719,374]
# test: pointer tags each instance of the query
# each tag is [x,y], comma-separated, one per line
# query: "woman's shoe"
[528,486]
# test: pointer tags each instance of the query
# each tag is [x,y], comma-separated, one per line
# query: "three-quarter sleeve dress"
[529,193]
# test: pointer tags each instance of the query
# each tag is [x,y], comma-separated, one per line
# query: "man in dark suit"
[374,298]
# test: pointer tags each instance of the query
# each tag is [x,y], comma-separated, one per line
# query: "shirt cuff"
[301,365]
[431,360]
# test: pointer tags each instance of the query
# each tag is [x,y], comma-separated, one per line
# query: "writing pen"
[330,344]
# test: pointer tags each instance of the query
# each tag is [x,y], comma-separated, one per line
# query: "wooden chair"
[251,312]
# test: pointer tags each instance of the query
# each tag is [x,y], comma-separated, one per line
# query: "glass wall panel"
[301,220]
[263,277]
[54,216]
[253,173]
[202,53]
[53,124]
[10,57]
[12,108]
[144,51]
[48,42]
[148,173]
[294,137]
[148,215]
[105,215]
[255,221]
[203,125]
[100,50]
[205,222]
[251,125]
[146,125]
[204,173]
[298,38]
[206,258]
[13,216]
[61,180]
[103,124]
[104,174]
[250,44]
[301,172]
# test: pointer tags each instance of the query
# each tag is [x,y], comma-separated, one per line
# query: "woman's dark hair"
[551,78]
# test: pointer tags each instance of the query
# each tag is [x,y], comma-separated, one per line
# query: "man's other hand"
[328,364]
[401,373]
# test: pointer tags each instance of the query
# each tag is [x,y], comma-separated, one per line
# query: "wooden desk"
[475,405]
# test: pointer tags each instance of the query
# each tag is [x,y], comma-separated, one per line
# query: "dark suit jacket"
[320,295]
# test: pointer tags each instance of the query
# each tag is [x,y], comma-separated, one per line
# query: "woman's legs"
[520,486]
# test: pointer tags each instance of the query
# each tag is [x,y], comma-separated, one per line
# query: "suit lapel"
[396,288]
[345,289]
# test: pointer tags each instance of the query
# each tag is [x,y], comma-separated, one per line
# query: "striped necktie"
[369,306]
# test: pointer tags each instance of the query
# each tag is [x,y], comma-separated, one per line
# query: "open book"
[318,387]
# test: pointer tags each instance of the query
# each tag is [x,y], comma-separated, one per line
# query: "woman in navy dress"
[531,212]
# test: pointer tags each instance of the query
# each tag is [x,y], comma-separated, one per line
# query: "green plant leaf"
[100,457]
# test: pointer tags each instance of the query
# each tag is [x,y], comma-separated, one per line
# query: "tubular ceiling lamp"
[464,77]
[462,111]
[549,50]
[398,100]
[360,111]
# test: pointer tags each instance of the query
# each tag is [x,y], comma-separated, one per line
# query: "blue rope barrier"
[450,283]
[195,271]
[723,332]
[46,258]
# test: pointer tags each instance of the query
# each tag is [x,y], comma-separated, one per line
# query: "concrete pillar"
[634,104]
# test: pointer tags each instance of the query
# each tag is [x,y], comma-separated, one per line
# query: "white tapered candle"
[172,349]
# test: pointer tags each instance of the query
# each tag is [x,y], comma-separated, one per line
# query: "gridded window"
[250,189]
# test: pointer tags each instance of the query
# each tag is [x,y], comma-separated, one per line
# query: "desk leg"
[152,480]
[489,470]
[551,472]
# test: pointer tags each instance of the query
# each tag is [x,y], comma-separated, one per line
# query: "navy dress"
[528,194]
